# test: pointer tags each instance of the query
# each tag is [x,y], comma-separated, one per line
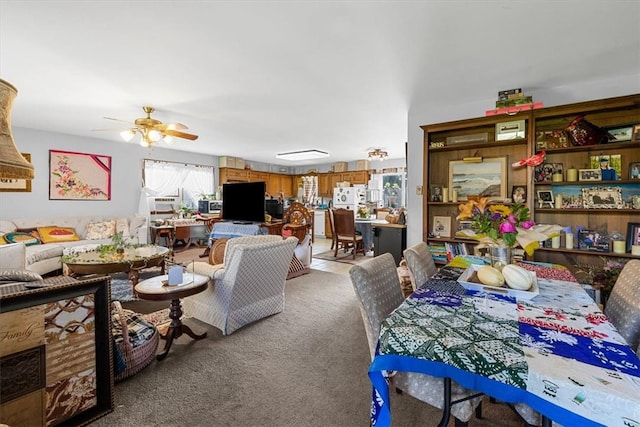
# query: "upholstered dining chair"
[623,305]
[344,221]
[420,263]
[377,287]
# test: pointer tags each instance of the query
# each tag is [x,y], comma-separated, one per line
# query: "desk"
[558,353]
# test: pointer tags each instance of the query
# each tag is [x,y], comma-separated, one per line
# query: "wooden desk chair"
[345,232]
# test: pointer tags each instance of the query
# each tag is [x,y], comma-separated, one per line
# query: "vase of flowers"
[498,226]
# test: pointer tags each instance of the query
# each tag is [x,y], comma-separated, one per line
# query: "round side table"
[155,289]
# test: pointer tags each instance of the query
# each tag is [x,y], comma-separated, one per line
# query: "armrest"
[204,268]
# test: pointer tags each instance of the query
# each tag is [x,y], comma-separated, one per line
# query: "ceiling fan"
[152,130]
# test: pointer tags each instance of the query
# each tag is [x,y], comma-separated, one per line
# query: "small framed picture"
[545,171]
[442,226]
[545,198]
[634,170]
[633,235]
[621,134]
[435,194]
[519,194]
[589,175]
[636,133]
[610,166]
[602,198]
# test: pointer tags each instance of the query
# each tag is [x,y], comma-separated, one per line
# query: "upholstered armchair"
[248,286]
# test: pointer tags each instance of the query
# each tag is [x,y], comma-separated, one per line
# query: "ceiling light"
[128,134]
[303,155]
[378,154]
[168,139]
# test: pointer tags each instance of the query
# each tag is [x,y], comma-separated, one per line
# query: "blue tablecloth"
[231,230]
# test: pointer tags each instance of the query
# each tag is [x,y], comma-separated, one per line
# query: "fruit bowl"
[469,280]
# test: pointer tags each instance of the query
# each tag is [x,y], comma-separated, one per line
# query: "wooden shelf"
[620,181]
[588,148]
[475,145]
[581,252]
[583,210]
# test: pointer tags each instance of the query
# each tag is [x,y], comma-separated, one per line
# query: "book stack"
[438,252]
[512,101]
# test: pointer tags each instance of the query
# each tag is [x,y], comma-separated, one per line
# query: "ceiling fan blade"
[109,129]
[179,134]
[119,120]
[175,126]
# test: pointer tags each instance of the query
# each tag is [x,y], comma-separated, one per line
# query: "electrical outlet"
[419,190]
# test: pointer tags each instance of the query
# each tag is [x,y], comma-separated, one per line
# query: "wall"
[126,175]
[420,114]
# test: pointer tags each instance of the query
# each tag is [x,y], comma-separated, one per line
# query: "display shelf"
[581,252]
[520,141]
[590,148]
[588,211]
[596,183]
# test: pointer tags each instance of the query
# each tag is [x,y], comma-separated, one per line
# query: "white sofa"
[46,258]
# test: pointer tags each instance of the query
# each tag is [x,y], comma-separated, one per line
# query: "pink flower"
[527,224]
[507,227]
[511,219]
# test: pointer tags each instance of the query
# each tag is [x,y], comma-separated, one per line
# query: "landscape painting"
[488,178]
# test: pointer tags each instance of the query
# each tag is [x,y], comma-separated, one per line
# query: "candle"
[572,175]
[175,275]
[454,196]
[557,177]
[558,201]
[555,242]
[619,246]
[635,250]
[568,241]
[445,194]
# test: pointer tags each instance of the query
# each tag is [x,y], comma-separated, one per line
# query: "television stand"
[242,222]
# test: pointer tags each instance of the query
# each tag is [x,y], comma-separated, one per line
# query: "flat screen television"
[243,202]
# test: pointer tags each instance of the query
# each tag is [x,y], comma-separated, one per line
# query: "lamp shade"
[12,164]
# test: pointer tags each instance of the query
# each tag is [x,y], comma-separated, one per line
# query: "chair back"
[298,219]
[344,222]
[623,305]
[377,287]
[420,263]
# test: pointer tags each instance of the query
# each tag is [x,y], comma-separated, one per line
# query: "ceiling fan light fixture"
[168,139]
[154,135]
[128,134]
[378,154]
[302,155]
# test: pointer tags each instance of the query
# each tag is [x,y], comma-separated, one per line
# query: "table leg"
[446,411]
[176,328]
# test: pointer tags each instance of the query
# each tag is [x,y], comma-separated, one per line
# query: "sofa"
[46,238]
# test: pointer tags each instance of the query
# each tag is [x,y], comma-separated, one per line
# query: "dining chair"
[420,263]
[623,305]
[332,228]
[377,288]
[344,221]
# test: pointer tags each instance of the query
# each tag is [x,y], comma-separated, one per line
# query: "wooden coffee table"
[155,289]
[131,261]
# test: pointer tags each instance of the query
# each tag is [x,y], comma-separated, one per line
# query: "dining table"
[553,349]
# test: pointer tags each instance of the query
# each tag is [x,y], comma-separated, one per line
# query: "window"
[392,186]
[183,180]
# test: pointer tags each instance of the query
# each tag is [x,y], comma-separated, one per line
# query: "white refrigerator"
[348,197]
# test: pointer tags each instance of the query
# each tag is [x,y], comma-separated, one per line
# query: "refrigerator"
[349,197]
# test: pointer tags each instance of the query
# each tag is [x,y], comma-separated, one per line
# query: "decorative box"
[362,165]
[340,167]
[468,139]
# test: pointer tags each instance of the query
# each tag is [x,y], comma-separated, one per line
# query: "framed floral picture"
[79,176]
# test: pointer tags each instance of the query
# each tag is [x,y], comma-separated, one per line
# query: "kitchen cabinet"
[390,238]
[324,187]
[233,175]
[274,184]
[256,176]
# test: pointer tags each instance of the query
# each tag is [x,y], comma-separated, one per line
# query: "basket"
[581,132]
[138,357]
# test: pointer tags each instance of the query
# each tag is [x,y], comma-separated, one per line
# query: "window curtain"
[310,189]
[178,179]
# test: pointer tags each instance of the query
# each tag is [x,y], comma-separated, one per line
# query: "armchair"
[248,286]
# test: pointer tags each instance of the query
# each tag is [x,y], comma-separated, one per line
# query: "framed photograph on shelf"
[544,172]
[442,226]
[636,133]
[435,193]
[519,194]
[545,198]
[634,170]
[16,185]
[602,198]
[621,134]
[589,175]
[610,166]
[79,176]
[487,178]
[633,235]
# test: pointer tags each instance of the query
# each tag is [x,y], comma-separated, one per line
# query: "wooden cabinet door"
[324,187]
[255,176]
[334,179]
[286,185]
[233,175]
[274,184]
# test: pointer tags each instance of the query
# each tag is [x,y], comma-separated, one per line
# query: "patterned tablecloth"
[231,230]
[558,352]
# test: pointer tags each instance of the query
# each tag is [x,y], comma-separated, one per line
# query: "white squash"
[490,276]
[517,277]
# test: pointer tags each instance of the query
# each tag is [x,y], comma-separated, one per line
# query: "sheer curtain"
[178,179]
[310,189]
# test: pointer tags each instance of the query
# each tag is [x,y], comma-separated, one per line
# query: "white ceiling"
[254,78]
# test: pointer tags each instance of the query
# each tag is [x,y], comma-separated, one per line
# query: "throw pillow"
[3,241]
[101,230]
[18,275]
[122,224]
[53,233]
[25,238]
[32,230]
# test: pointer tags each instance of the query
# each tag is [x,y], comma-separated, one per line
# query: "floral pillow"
[101,230]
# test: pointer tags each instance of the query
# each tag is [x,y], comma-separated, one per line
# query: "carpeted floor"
[342,257]
[306,366]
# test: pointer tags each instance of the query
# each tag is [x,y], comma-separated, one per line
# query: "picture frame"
[610,166]
[634,170]
[636,133]
[589,175]
[79,176]
[487,178]
[519,194]
[602,198]
[435,193]
[9,185]
[545,197]
[441,226]
[621,134]
[633,235]
[544,172]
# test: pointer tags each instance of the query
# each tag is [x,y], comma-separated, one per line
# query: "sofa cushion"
[54,233]
[101,230]
[19,237]
[42,252]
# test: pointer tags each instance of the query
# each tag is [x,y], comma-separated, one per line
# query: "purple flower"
[507,227]
[527,224]
[495,216]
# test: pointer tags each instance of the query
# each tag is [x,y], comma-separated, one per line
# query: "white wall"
[126,175]
[421,114]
